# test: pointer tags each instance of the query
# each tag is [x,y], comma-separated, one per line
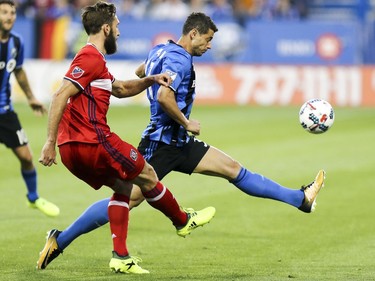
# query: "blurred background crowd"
[297,31]
[173,9]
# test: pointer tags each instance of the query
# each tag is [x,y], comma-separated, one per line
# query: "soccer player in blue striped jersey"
[12,134]
[169,142]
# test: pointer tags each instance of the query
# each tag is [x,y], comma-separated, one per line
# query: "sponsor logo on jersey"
[11,65]
[77,72]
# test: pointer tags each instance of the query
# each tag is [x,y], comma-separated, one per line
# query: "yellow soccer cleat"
[196,219]
[45,206]
[50,251]
[311,192]
[126,265]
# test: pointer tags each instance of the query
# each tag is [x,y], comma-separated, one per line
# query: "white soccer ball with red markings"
[316,116]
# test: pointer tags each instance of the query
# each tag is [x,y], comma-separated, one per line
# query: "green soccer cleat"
[126,265]
[45,206]
[50,251]
[311,192]
[196,219]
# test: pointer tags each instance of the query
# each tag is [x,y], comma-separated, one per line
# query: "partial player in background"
[77,122]
[169,143]
[11,132]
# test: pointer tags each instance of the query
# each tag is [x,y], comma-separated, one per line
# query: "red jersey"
[84,119]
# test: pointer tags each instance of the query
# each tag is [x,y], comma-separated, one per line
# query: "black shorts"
[165,158]
[11,132]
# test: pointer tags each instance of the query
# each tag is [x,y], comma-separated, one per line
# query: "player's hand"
[163,79]
[48,155]
[37,107]
[194,127]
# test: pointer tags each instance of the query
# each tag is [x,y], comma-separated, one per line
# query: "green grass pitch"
[249,238]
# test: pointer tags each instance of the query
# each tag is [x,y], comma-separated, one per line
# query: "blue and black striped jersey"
[175,60]
[11,57]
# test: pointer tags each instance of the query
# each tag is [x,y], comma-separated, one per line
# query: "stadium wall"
[237,84]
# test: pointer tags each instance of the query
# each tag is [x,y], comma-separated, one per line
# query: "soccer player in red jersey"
[77,123]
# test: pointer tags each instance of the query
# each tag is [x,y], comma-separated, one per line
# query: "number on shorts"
[22,138]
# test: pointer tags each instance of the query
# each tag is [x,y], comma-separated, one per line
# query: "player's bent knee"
[147,179]
[234,169]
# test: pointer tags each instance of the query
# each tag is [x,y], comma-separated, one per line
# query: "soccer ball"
[316,116]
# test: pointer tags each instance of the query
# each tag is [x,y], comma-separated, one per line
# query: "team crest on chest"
[133,155]
[77,72]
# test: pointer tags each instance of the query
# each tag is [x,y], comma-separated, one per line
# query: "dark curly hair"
[93,17]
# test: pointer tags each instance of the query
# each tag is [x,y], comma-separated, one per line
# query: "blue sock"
[259,186]
[30,178]
[94,216]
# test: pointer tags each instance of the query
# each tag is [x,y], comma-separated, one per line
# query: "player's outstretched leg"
[50,251]
[126,264]
[257,185]
[311,192]
[196,219]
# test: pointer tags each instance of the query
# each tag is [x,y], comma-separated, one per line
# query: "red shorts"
[101,164]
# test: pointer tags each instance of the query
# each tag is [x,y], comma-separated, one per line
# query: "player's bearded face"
[110,43]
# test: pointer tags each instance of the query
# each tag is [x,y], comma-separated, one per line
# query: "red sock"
[118,214]
[162,199]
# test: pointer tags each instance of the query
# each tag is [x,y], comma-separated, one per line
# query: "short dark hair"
[9,2]
[93,17]
[200,21]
